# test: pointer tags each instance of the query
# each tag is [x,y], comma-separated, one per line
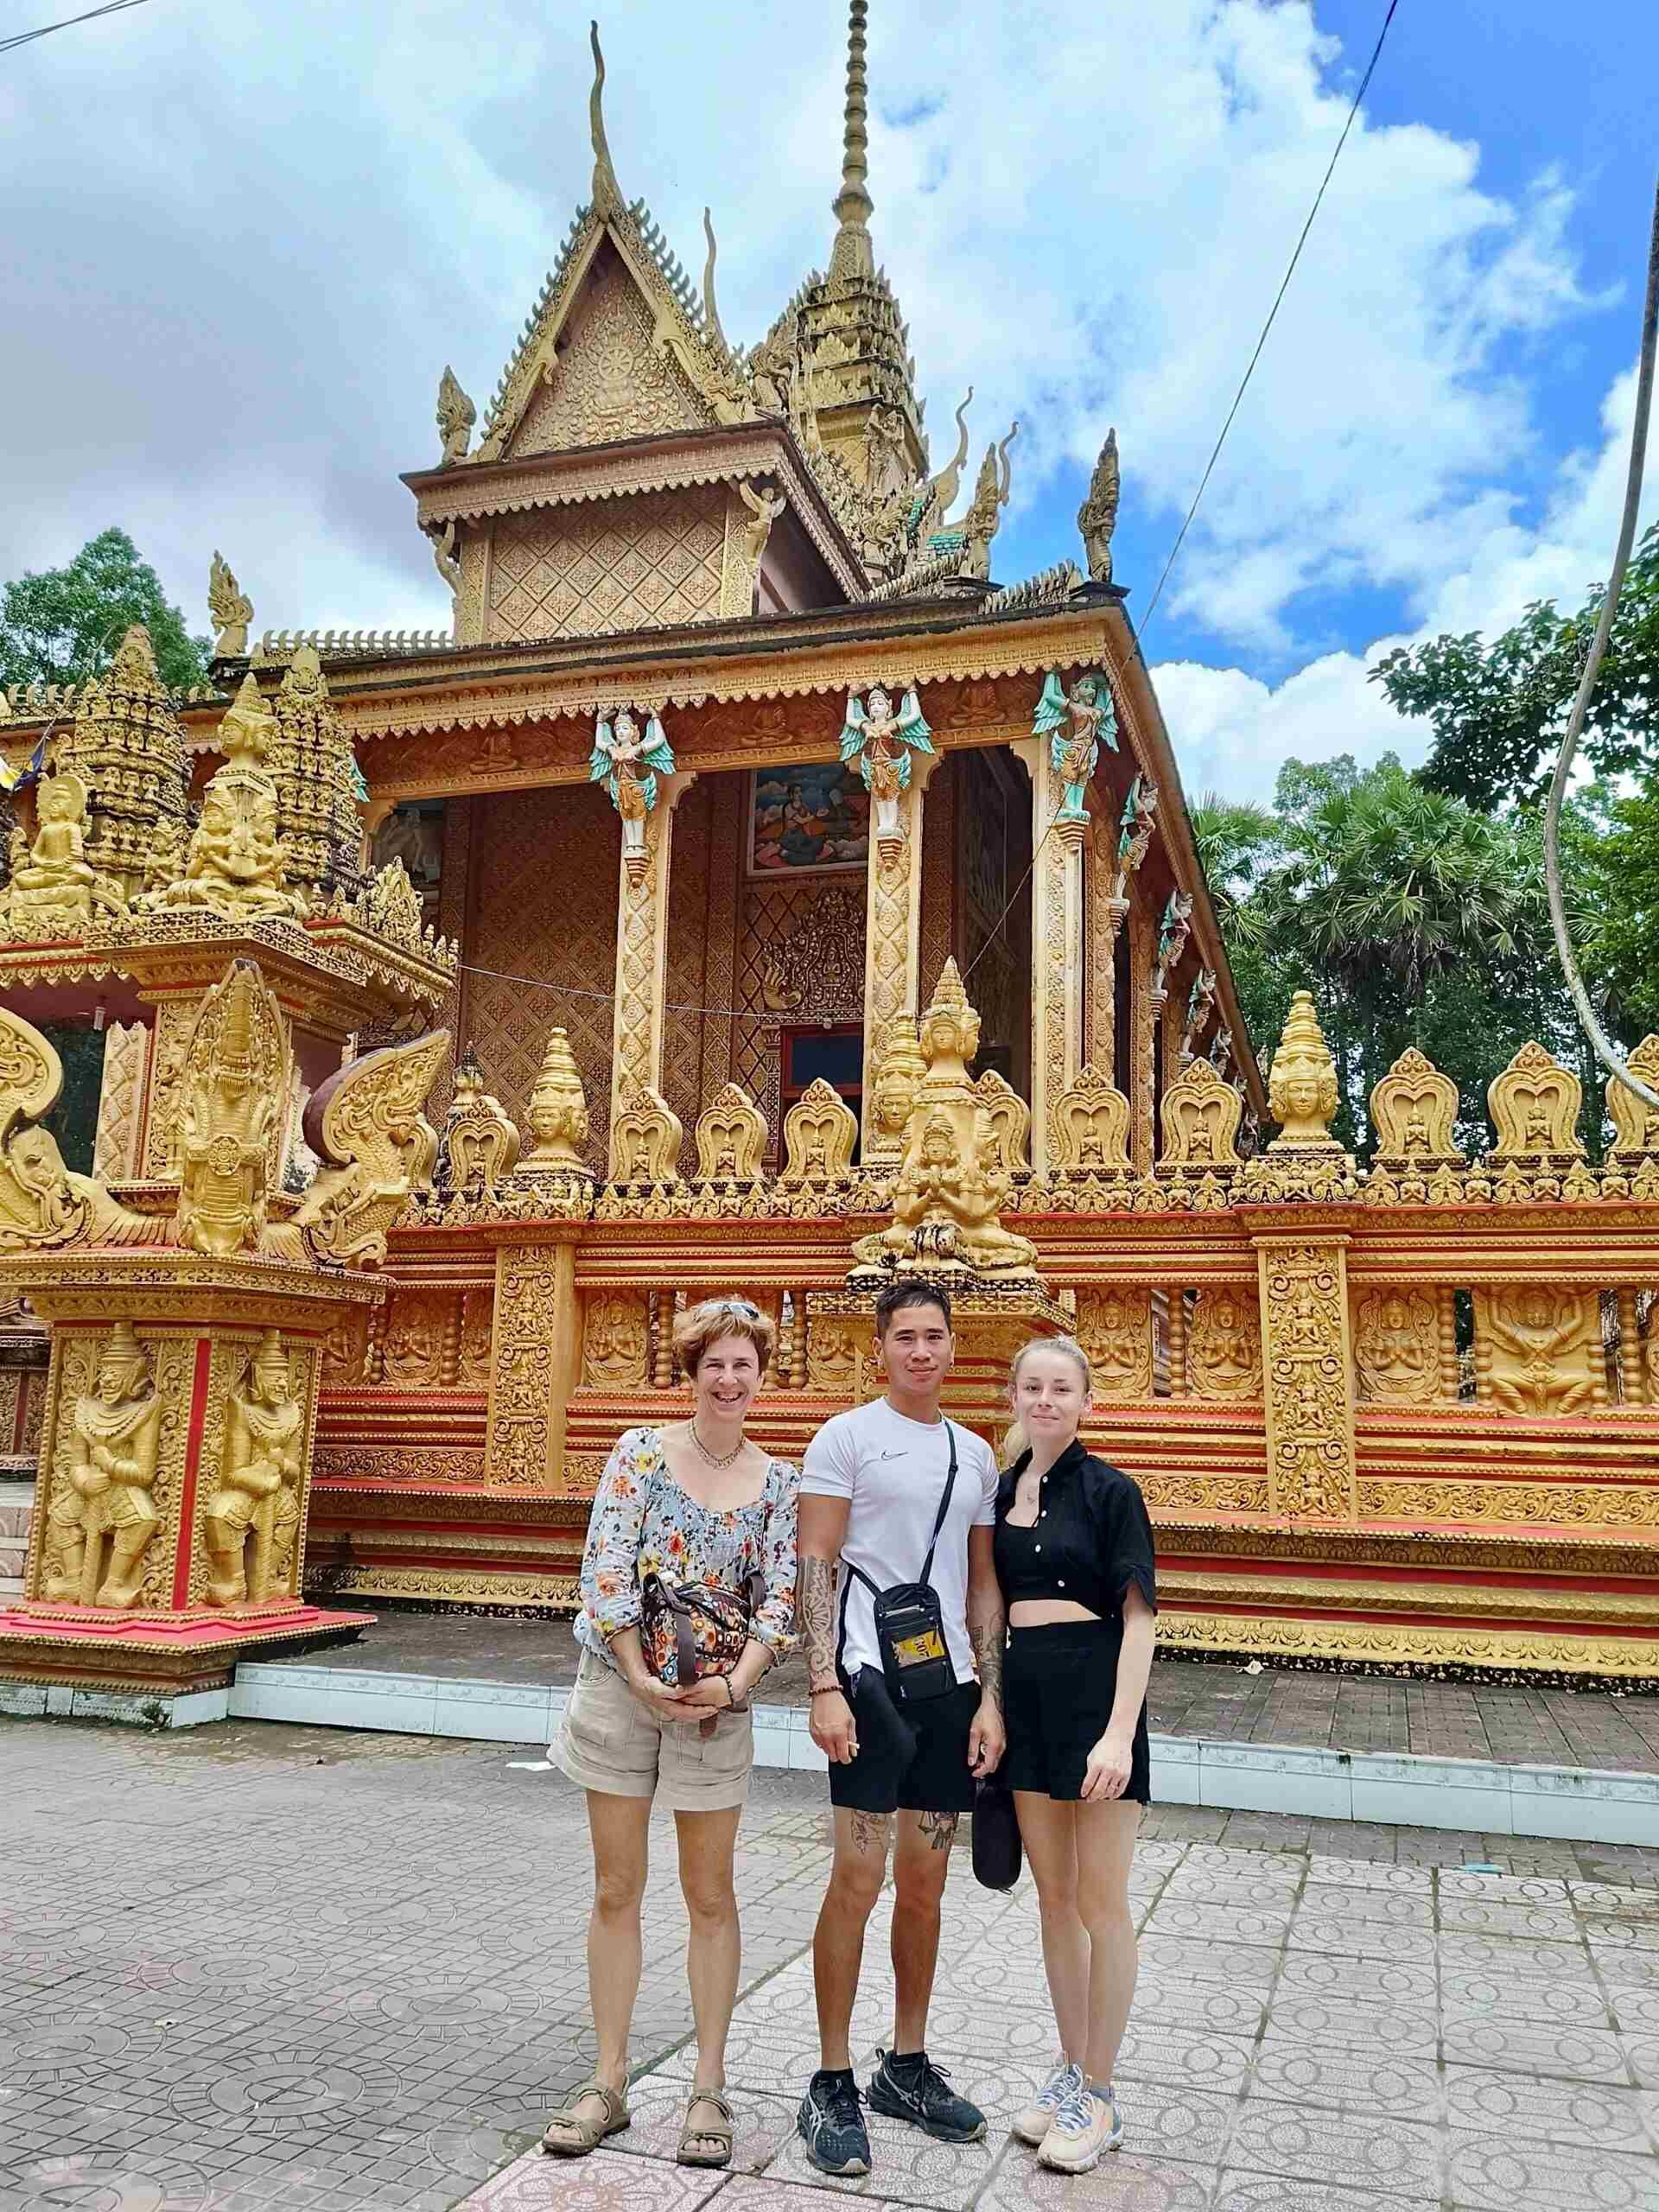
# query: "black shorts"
[910,1757]
[1059,1685]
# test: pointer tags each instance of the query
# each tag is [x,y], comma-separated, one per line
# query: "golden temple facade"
[778,901]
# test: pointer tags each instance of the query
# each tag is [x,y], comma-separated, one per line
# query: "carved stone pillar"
[121,1102]
[642,955]
[1446,1311]
[1138,950]
[1104,914]
[535,1358]
[175,1019]
[893,928]
[1056,965]
[1307,1377]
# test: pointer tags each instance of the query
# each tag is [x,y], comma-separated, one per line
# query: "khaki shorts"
[607,1741]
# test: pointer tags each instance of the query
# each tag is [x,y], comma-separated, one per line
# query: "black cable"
[24,38]
[1284,287]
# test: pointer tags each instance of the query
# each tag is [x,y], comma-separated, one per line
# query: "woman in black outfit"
[1074,1556]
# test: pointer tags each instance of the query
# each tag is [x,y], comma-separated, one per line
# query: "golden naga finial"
[456,415]
[231,608]
[1302,1086]
[853,254]
[1098,515]
[607,194]
[710,312]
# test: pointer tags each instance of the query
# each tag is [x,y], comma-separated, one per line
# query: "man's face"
[918,1348]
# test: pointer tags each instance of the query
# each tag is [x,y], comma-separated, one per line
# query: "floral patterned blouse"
[644,1523]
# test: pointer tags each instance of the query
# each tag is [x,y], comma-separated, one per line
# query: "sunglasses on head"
[746,1306]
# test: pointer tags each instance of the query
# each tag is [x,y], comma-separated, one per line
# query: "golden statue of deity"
[1302,1086]
[252,1518]
[56,888]
[1395,1347]
[105,1497]
[1539,1349]
[899,1069]
[234,1085]
[236,863]
[950,1192]
[881,739]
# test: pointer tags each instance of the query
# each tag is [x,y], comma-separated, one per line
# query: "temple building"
[757,889]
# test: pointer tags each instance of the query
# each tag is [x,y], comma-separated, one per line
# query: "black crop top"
[1091,1539]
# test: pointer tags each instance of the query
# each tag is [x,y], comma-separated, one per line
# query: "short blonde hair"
[711,1319]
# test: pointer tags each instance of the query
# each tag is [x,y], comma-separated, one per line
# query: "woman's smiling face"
[1049,1396]
[728,1377]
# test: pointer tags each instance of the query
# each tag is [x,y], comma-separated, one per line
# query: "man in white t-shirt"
[902,1769]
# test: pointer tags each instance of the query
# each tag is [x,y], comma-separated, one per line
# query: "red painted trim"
[183,1554]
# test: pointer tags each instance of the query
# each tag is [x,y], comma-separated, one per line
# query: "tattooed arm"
[988,1630]
[822,1532]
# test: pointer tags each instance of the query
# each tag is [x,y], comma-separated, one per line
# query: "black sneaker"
[911,2087]
[832,2127]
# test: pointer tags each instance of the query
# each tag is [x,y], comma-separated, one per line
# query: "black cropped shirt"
[1090,1541]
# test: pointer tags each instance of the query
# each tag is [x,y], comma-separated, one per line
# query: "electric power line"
[1273,311]
[25,38]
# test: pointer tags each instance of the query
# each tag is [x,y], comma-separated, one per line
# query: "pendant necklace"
[716,1459]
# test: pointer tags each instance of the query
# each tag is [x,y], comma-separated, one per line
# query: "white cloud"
[1233,732]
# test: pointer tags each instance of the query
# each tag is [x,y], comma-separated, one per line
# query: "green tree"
[62,625]
[1498,710]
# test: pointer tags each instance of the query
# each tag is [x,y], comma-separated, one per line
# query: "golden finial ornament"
[1302,1086]
[231,611]
[607,194]
[1098,515]
[456,415]
[854,254]
[558,1115]
[479,1147]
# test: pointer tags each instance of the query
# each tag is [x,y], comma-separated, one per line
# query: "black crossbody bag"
[909,1619]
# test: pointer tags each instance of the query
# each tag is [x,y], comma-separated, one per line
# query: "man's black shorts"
[910,1757]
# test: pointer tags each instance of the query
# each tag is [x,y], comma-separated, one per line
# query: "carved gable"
[633,563]
[609,381]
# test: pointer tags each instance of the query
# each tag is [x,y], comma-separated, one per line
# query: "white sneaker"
[1035,2122]
[1086,2126]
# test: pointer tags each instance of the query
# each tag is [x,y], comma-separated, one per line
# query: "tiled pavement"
[253,1969]
[1221,1703]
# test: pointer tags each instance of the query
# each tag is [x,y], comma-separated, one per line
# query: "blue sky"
[247,244]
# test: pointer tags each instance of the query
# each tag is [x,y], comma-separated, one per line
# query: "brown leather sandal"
[720,2137]
[572,2134]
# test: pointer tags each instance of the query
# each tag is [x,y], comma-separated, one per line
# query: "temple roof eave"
[668,461]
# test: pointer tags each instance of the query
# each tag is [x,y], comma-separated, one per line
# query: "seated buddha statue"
[54,886]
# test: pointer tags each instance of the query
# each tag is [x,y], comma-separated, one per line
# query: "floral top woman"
[645,1522]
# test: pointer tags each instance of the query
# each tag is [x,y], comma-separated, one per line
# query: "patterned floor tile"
[1503,1889]
[1566,2111]
[1199,2005]
[1617,1934]
[1385,2025]
[1226,1922]
[1349,2081]
[1491,1994]
[1347,2148]
[904,2164]
[746,2194]
[1391,1908]
[606,2182]
[1518,2047]
[1154,2051]
[1369,1874]
[1328,1973]
[1315,1930]
[1498,2172]
[1240,1965]
[1124,2181]
[1241,2192]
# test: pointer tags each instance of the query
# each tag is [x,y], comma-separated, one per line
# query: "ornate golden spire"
[853,254]
[607,194]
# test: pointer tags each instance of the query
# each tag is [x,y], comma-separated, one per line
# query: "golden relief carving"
[345,1350]
[477,1327]
[1091,1126]
[949,1191]
[833,1349]
[1414,1112]
[534,1360]
[1114,1328]
[732,1138]
[816,967]
[251,1521]
[616,1342]
[1396,1347]
[1394,1645]
[42,1203]
[1223,1345]
[101,1509]
[1310,1422]
[1535,1108]
[610,381]
[1008,1119]
[129,751]
[234,1083]
[820,1135]
[365,1123]
[319,811]
[1538,1349]
[645,1138]
[1302,1084]
[643,562]
[1557,1504]
[413,1351]
[479,1147]
[1201,1114]
[121,1102]
[1635,1126]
